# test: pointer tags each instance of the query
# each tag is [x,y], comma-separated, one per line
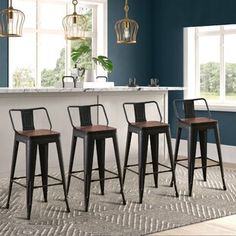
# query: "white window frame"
[191,66]
[98,36]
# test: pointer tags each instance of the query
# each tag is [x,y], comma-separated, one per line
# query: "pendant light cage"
[74,25]
[126,29]
[11,22]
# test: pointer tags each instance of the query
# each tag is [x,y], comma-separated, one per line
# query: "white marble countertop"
[4,90]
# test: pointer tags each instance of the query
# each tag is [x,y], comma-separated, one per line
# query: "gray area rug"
[160,210]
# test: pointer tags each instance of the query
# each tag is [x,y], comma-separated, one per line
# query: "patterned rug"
[160,210]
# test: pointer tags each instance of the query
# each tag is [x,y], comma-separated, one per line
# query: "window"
[210,64]
[42,56]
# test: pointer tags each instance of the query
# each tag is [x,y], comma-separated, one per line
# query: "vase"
[90,76]
[78,72]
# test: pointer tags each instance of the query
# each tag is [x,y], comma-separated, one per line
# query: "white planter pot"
[90,76]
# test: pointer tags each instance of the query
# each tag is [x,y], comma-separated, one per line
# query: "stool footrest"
[94,180]
[15,180]
[158,172]
[150,173]
[200,167]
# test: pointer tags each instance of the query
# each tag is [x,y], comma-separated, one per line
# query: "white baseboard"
[228,152]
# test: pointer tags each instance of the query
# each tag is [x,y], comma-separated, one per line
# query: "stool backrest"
[27,118]
[85,114]
[139,109]
[186,108]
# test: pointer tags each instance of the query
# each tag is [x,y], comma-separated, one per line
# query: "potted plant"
[105,63]
[85,50]
[76,55]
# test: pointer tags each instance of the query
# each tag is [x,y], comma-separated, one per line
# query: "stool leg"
[43,154]
[72,155]
[142,158]
[100,144]
[178,135]
[31,150]
[88,163]
[192,141]
[203,148]
[217,137]
[61,165]
[116,149]
[154,150]
[168,139]
[127,148]
[13,165]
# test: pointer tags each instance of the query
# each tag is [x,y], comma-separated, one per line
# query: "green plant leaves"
[100,60]
[105,62]
[77,52]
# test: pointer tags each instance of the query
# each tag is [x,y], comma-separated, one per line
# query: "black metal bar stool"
[34,138]
[187,118]
[145,130]
[90,134]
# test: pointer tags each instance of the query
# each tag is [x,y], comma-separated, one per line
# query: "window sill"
[219,107]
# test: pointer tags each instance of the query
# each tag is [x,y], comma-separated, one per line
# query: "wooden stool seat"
[199,121]
[148,124]
[95,129]
[38,133]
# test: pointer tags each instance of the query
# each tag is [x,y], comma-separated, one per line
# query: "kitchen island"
[56,101]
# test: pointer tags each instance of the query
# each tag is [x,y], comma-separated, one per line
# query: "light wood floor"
[222,226]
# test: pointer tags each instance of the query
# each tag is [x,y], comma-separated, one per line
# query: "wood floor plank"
[222,226]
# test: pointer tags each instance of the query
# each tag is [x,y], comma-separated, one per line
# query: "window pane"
[230,67]
[209,61]
[51,15]
[22,69]
[88,13]
[51,65]
[29,9]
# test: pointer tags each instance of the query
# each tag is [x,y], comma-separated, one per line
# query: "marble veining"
[76,90]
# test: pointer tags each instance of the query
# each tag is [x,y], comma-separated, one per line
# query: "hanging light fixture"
[126,29]
[11,22]
[74,24]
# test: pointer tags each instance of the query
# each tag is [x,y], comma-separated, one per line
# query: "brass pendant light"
[11,22]
[74,24]
[126,29]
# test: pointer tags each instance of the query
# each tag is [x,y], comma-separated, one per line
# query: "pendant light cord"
[10,6]
[74,2]
[126,8]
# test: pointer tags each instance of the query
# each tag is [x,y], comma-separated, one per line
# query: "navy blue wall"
[3,55]
[132,60]
[170,18]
